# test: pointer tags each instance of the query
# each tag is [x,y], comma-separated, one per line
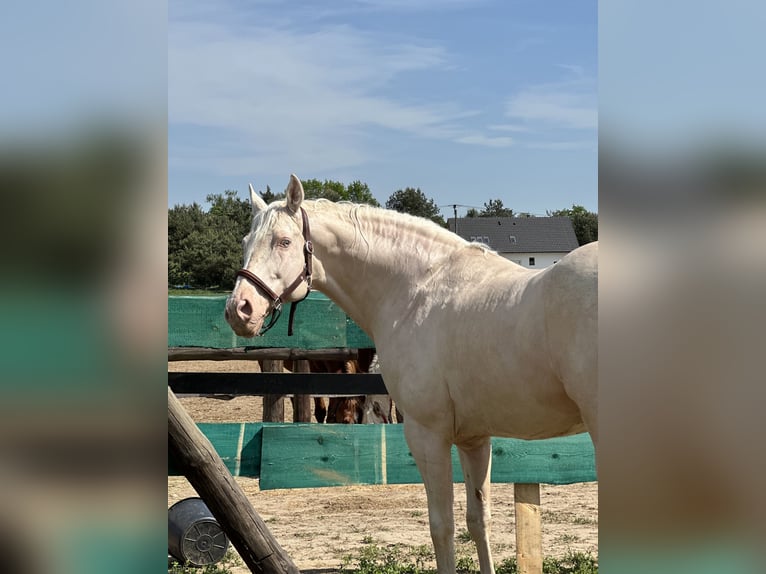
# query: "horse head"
[277,262]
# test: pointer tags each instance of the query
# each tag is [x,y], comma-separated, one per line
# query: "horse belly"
[542,410]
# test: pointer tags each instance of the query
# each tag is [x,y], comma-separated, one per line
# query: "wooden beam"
[264,383]
[202,466]
[273,404]
[248,354]
[529,541]
[302,402]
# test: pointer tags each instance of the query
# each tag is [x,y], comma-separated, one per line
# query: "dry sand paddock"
[318,526]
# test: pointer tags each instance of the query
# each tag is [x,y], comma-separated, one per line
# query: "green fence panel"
[356,338]
[563,460]
[310,455]
[304,455]
[319,324]
[401,467]
[238,444]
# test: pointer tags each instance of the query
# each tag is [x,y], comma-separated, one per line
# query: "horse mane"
[367,220]
[377,215]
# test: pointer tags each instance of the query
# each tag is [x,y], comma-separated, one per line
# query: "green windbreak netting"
[319,324]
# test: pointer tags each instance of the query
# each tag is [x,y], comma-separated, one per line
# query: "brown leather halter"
[275,309]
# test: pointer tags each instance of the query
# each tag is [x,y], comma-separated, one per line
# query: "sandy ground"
[318,526]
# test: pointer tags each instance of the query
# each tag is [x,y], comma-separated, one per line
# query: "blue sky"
[468,100]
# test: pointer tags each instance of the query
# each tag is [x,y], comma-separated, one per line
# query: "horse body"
[436,306]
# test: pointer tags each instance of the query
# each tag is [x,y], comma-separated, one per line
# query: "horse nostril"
[244,310]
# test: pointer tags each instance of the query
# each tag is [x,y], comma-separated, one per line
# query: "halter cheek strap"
[275,309]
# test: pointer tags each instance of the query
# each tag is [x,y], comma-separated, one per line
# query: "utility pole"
[454,208]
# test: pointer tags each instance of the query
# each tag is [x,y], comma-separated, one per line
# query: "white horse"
[436,306]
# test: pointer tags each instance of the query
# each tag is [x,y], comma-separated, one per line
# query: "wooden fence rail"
[319,384]
[259,354]
[307,455]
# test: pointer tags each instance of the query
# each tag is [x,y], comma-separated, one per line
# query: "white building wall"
[541,260]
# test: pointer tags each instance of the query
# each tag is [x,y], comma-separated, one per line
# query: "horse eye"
[284,242]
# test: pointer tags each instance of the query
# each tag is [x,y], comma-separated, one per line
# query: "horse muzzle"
[240,315]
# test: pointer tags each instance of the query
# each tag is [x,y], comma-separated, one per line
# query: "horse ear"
[256,200]
[294,193]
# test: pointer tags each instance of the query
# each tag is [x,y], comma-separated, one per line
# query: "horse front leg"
[320,409]
[432,454]
[476,460]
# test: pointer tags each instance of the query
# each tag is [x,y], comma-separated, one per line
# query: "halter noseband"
[275,309]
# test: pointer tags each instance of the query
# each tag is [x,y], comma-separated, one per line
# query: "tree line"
[205,247]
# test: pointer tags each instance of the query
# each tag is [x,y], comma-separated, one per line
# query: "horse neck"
[369,263]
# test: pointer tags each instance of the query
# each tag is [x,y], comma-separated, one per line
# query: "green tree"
[227,207]
[268,196]
[183,221]
[205,248]
[415,202]
[585,222]
[359,192]
[327,189]
[494,208]
[228,221]
[356,191]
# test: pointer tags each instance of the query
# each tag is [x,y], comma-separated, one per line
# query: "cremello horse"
[435,306]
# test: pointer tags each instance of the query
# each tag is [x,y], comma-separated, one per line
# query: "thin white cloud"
[554,108]
[563,145]
[478,139]
[310,96]
[570,103]
[418,5]
[510,128]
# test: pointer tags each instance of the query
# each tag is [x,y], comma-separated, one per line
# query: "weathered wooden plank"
[563,460]
[252,354]
[273,404]
[311,455]
[302,403]
[238,445]
[201,464]
[529,539]
[285,383]
[303,455]
[401,464]
[297,456]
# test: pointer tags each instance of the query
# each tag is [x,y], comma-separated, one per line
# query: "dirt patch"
[318,526]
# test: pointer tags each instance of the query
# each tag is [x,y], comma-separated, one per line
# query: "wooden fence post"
[301,403]
[200,463]
[273,405]
[529,541]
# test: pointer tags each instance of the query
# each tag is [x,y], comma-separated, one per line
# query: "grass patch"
[571,563]
[584,520]
[566,538]
[400,559]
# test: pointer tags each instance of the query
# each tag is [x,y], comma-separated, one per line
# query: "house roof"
[518,234]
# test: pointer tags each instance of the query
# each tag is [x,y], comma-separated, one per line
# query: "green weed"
[230,560]
[400,559]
